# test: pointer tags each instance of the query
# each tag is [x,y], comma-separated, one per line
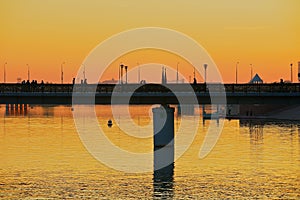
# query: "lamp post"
[121,73]
[139,73]
[126,67]
[4,74]
[291,72]
[236,73]
[177,73]
[194,73]
[251,72]
[28,72]
[205,68]
[83,73]
[62,72]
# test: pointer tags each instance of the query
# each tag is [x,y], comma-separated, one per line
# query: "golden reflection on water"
[43,157]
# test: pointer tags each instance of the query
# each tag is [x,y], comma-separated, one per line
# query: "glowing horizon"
[46,34]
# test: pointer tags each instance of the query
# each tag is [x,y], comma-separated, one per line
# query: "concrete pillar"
[163,126]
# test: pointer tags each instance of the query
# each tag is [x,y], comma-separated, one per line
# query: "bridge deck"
[151,93]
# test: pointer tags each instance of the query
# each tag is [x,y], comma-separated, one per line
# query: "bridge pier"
[163,126]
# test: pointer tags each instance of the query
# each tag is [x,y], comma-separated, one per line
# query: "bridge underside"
[155,98]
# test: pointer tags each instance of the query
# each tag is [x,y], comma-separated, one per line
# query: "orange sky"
[44,34]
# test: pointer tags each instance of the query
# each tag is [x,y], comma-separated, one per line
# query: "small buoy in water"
[109,123]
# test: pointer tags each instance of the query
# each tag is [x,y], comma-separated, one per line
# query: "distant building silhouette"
[256,79]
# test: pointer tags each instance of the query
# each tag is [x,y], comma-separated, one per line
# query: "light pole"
[62,72]
[139,73]
[4,74]
[121,73]
[126,67]
[28,72]
[83,72]
[119,80]
[251,72]
[291,72]
[236,73]
[194,73]
[205,68]
[177,73]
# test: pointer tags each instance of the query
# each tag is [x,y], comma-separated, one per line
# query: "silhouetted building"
[256,79]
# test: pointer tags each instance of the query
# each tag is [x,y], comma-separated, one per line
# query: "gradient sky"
[44,34]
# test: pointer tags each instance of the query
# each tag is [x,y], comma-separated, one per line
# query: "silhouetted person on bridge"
[195,81]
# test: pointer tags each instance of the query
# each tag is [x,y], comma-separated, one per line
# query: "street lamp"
[139,73]
[177,73]
[205,68]
[291,72]
[4,74]
[28,72]
[194,74]
[126,67]
[62,72]
[251,72]
[236,73]
[84,72]
[121,73]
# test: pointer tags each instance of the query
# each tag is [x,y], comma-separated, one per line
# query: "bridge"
[276,93]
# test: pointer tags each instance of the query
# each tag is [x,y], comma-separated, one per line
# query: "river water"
[42,156]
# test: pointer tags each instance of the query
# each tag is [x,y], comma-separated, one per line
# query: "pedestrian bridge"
[281,94]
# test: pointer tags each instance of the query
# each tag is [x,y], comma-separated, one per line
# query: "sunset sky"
[44,34]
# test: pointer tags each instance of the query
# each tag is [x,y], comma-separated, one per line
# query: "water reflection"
[256,128]
[163,179]
[43,157]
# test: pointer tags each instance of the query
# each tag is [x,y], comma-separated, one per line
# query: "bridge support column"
[163,126]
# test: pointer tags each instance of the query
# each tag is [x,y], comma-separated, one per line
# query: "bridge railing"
[152,88]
